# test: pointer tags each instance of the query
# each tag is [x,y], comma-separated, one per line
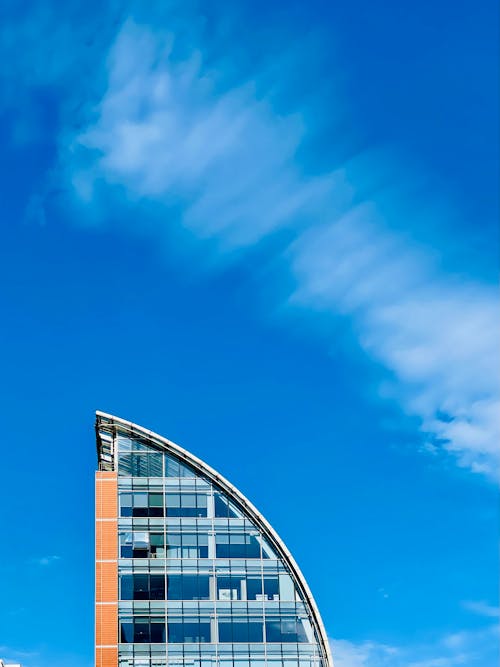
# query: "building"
[188,572]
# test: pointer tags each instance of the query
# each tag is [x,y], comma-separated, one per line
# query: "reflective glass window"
[240,630]
[143,630]
[188,587]
[285,630]
[229,588]
[271,588]
[223,508]
[187,545]
[188,631]
[237,545]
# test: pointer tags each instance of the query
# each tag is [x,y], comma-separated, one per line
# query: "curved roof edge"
[104,419]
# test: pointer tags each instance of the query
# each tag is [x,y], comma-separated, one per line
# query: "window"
[237,545]
[142,630]
[188,587]
[271,588]
[140,501]
[174,468]
[155,504]
[147,464]
[229,588]
[126,504]
[186,504]
[187,545]
[188,630]
[254,588]
[142,545]
[142,587]
[240,629]
[223,508]
[285,630]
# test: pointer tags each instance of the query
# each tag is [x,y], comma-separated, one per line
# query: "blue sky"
[268,232]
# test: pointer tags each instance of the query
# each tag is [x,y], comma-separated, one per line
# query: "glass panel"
[287,588]
[126,587]
[192,595]
[229,588]
[127,632]
[271,588]
[188,631]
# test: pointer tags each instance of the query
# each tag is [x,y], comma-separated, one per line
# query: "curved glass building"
[188,572]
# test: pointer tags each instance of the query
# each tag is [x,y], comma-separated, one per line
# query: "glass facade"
[202,579]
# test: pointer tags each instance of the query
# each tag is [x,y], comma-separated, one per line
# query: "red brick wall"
[106,570]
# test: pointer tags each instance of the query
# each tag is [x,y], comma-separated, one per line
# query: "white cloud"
[219,160]
[361,654]
[478,648]
[481,608]
[437,337]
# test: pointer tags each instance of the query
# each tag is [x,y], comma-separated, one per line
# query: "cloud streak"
[220,159]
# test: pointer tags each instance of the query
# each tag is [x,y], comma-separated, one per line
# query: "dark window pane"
[253,547]
[203,587]
[156,511]
[222,550]
[140,553]
[273,631]
[240,631]
[221,509]
[157,587]
[190,587]
[237,551]
[126,587]
[127,633]
[141,587]
[254,587]
[158,633]
[204,632]
[271,587]
[255,632]
[140,511]
[174,587]
[175,633]
[225,632]
[141,633]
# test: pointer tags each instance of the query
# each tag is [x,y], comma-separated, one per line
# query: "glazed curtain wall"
[199,585]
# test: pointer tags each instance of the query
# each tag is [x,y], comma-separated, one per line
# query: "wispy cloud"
[164,133]
[437,336]
[172,133]
[479,648]
[44,561]
[482,608]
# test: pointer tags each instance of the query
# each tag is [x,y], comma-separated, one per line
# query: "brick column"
[106,570]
